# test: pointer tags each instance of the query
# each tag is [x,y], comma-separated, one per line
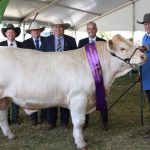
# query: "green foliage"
[3,5]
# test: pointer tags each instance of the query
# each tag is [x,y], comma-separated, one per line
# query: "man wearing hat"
[11,32]
[35,43]
[57,43]
[145,69]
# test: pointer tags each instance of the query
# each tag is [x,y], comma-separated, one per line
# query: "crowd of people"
[59,42]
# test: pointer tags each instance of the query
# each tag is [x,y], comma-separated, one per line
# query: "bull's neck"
[112,67]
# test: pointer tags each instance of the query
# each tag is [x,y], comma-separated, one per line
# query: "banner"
[94,62]
[3,5]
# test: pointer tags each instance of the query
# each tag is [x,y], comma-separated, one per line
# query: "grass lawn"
[125,130]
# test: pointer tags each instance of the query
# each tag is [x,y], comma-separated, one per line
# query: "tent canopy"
[106,13]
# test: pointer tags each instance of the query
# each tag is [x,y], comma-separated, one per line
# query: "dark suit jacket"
[4,43]
[85,41]
[29,43]
[48,44]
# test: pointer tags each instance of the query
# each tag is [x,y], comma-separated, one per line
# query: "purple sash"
[94,62]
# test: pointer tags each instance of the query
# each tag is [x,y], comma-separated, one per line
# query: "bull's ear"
[110,44]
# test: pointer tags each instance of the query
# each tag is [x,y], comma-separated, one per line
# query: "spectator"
[35,43]
[57,43]
[11,32]
[92,30]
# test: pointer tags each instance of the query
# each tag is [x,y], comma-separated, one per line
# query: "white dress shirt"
[93,40]
[12,44]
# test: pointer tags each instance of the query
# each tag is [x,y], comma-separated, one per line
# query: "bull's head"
[125,50]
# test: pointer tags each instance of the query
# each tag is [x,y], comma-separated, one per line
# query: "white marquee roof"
[110,15]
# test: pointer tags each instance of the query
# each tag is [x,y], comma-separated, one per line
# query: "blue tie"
[37,44]
[59,48]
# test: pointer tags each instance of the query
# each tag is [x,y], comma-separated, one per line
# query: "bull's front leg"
[77,109]
[4,124]
[4,103]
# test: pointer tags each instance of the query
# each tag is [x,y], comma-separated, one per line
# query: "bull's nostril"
[142,57]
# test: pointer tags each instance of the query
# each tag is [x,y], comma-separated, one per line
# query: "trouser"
[104,117]
[52,115]
[15,112]
[148,95]
[43,115]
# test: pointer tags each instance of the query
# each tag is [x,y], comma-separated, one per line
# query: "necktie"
[37,44]
[11,44]
[59,48]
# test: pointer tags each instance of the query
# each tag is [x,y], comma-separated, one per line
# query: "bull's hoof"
[12,136]
[84,148]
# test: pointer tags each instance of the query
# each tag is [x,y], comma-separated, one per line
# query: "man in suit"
[57,43]
[92,30]
[11,32]
[35,43]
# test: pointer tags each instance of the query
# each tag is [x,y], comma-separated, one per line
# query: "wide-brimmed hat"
[59,21]
[11,26]
[146,19]
[35,26]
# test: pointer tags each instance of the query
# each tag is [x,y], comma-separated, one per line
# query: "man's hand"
[138,78]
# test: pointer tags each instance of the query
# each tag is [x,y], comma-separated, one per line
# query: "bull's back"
[47,73]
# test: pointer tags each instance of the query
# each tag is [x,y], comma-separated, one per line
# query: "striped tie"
[59,48]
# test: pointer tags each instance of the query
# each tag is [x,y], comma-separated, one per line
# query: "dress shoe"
[104,126]
[15,122]
[66,127]
[85,126]
[51,126]
[43,122]
[147,134]
[34,123]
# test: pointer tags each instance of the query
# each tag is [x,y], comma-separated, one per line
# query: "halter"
[127,60]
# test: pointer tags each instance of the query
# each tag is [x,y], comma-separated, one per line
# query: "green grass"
[125,130]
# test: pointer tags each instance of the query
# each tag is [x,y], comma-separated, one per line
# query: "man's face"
[10,34]
[58,30]
[35,33]
[147,27]
[91,30]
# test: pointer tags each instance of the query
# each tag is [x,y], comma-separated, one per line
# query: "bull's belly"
[36,100]
[36,104]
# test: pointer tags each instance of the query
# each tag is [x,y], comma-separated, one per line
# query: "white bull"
[35,80]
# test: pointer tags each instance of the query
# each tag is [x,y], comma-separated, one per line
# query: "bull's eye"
[122,49]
